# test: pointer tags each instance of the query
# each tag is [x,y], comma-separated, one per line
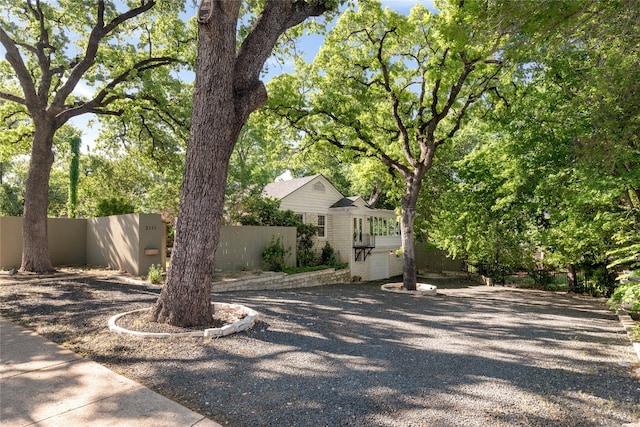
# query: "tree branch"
[276,17]
[395,102]
[44,58]
[13,98]
[101,99]
[14,58]
[98,32]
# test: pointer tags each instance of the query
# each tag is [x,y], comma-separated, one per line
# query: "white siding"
[359,268]
[307,199]
[378,266]
[316,198]
[390,242]
[341,237]
[396,265]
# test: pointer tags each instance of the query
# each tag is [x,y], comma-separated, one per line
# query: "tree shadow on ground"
[353,355]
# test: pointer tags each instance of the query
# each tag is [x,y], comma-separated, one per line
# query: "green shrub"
[541,277]
[627,295]
[597,282]
[266,211]
[305,253]
[114,206]
[155,274]
[328,256]
[275,255]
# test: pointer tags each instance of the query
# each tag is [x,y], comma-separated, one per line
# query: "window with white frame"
[322,226]
[381,226]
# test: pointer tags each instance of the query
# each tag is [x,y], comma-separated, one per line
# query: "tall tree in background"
[10,202]
[227,89]
[488,209]
[74,176]
[559,165]
[51,51]
[257,160]
[395,88]
[595,199]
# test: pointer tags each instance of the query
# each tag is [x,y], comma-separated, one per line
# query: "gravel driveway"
[352,355]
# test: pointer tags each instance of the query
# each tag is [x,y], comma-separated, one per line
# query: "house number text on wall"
[149,227]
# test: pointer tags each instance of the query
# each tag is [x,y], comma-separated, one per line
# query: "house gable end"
[310,194]
[359,202]
[281,189]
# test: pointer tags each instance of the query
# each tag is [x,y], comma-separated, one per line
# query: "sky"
[308,44]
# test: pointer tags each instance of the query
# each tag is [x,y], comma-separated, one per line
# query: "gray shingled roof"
[281,189]
[345,202]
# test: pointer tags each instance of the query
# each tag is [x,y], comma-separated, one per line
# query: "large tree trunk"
[186,295]
[409,202]
[572,280]
[227,90]
[35,245]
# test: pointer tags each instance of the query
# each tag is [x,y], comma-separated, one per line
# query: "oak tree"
[227,90]
[556,167]
[54,50]
[395,88]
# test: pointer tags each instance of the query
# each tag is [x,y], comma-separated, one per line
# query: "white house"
[367,239]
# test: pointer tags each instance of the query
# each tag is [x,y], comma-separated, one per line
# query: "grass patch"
[549,282]
[307,269]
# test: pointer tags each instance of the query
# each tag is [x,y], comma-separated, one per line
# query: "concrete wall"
[396,265]
[10,242]
[66,241]
[241,247]
[65,237]
[131,242]
[125,242]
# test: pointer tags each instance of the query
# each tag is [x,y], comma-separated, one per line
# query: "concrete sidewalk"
[43,384]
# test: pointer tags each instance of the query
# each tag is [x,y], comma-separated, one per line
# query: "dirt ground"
[349,354]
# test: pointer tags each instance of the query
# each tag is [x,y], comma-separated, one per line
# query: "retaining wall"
[272,280]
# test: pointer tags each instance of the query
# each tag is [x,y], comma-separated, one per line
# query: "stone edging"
[246,323]
[277,281]
[421,289]
[628,324]
[273,281]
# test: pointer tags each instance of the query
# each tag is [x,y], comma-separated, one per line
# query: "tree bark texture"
[185,299]
[572,280]
[408,215]
[409,272]
[35,243]
[227,90]
[46,95]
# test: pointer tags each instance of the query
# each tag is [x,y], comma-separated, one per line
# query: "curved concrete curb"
[628,324]
[246,323]
[421,289]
